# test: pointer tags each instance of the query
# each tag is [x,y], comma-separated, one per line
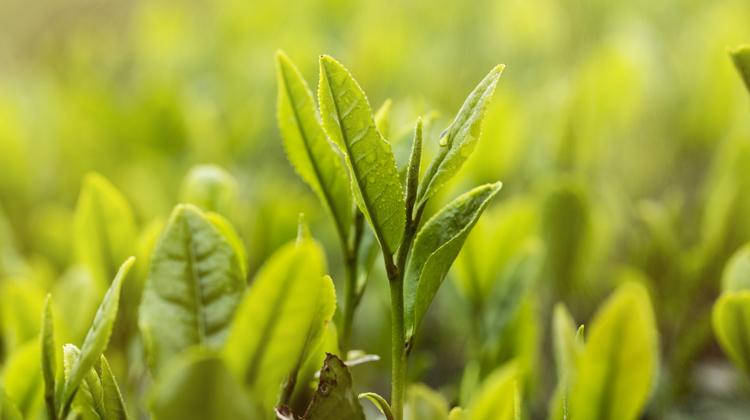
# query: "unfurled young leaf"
[498,397]
[49,358]
[88,401]
[347,118]
[96,340]
[114,405]
[436,247]
[741,58]
[731,322]
[568,350]
[335,398]
[104,228]
[281,318]
[461,137]
[412,169]
[211,188]
[379,402]
[618,365]
[311,153]
[198,386]
[194,285]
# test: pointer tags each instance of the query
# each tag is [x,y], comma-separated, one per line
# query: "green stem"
[398,340]
[351,299]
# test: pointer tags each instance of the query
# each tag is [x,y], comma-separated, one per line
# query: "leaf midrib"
[200,322]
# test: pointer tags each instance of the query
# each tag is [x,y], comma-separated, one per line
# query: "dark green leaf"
[436,247]
[348,120]
[307,146]
[460,138]
[193,288]
[741,58]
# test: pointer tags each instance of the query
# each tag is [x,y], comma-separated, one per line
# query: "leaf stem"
[351,300]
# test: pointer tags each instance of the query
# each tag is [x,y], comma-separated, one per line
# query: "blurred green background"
[620,130]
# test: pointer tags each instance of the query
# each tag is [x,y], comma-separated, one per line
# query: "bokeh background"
[620,130]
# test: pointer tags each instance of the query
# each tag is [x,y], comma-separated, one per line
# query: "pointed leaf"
[412,169]
[49,358]
[193,288]
[114,405]
[335,398]
[460,138]
[104,228]
[383,118]
[619,361]
[736,274]
[348,120]
[422,403]
[307,146]
[379,402]
[97,338]
[280,320]
[199,386]
[741,58]
[88,399]
[731,322]
[436,247]
[497,397]
[567,352]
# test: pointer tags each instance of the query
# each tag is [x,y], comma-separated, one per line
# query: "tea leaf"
[348,120]
[567,352]
[199,386]
[731,322]
[436,246]
[104,228]
[114,405]
[460,138]
[227,230]
[422,403]
[497,397]
[49,357]
[280,320]
[8,410]
[89,397]
[741,58]
[736,276]
[383,118]
[619,361]
[22,379]
[96,339]
[211,188]
[335,398]
[193,288]
[307,146]
[379,402]
[412,169]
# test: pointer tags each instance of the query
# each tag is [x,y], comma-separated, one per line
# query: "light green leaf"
[211,188]
[736,274]
[412,169]
[460,138]
[104,228]
[741,57]
[379,402]
[280,320]
[731,322]
[22,379]
[114,405]
[422,403]
[307,146]
[193,288]
[436,246]
[335,398]
[88,400]
[96,340]
[227,230]
[618,365]
[498,397]
[49,357]
[567,353]
[21,302]
[383,118]
[199,386]
[348,120]
[456,413]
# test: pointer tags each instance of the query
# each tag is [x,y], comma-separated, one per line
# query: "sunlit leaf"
[618,365]
[8,410]
[736,274]
[731,322]
[307,146]
[436,247]
[49,358]
[498,396]
[96,340]
[194,286]
[422,403]
[567,353]
[348,120]
[461,137]
[211,188]
[280,320]
[22,379]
